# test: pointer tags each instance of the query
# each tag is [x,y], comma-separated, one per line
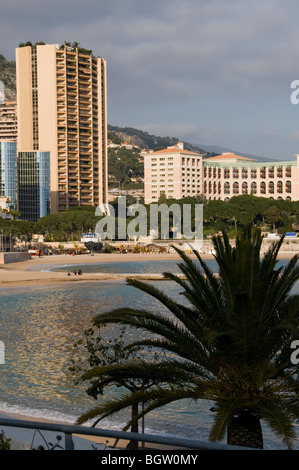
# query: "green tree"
[98,365]
[273,216]
[229,344]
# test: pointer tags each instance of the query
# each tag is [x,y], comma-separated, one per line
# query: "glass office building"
[33,184]
[8,171]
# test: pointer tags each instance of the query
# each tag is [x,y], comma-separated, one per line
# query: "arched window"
[244,188]
[271,187]
[263,187]
[236,187]
[253,187]
[226,187]
[279,187]
[288,187]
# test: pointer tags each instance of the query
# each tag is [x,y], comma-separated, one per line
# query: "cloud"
[207,65]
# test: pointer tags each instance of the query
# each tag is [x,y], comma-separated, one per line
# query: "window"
[279,172]
[288,187]
[263,172]
[235,173]
[263,187]
[226,188]
[279,187]
[244,188]
[226,173]
[236,187]
[253,188]
[271,187]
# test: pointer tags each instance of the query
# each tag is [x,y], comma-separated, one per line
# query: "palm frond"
[224,411]
[280,420]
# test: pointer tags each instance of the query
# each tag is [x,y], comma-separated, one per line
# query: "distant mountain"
[219,150]
[8,77]
[145,140]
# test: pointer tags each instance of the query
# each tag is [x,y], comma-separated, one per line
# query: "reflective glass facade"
[8,171]
[33,184]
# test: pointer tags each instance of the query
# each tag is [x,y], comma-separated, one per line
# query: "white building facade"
[179,173]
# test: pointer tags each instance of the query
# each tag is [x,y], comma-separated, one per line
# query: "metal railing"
[69,431]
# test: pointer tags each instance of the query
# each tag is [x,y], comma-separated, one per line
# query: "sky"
[209,72]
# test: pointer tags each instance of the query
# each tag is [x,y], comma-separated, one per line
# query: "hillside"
[8,77]
[145,140]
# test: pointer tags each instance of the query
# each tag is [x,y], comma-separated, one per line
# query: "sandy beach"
[35,271]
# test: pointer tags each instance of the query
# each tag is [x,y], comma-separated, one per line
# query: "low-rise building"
[176,172]
[179,173]
[228,175]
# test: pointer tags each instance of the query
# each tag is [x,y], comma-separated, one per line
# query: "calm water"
[39,327]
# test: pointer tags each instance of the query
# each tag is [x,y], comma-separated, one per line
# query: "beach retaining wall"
[6,258]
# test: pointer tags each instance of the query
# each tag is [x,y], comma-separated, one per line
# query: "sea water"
[39,326]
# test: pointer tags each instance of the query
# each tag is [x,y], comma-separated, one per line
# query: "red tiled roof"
[175,150]
[229,156]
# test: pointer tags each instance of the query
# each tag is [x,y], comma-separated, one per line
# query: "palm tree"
[230,343]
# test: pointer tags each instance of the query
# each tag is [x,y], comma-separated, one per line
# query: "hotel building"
[179,173]
[174,171]
[62,109]
[228,175]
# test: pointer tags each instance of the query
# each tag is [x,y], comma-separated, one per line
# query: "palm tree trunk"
[245,430]
[133,445]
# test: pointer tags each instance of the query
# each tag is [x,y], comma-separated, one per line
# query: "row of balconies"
[245,173]
[252,188]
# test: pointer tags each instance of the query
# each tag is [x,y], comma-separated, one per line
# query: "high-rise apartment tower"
[61,95]
[8,121]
